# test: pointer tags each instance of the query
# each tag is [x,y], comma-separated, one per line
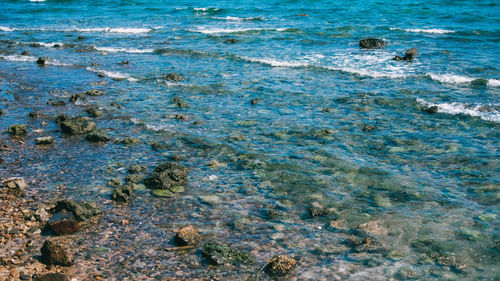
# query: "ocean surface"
[407,150]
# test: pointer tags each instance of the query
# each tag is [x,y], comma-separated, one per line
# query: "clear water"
[419,176]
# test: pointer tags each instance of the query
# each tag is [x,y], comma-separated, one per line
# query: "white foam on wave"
[124,50]
[421,30]
[459,79]
[205,30]
[6,29]
[20,58]
[205,9]
[112,74]
[485,112]
[45,44]
[37,0]
[127,30]
[275,62]
[229,18]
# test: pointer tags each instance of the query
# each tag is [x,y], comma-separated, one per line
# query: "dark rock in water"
[125,62]
[409,55]
[81,38]
[51,277]
[369,128]
[123,194]
[15,186]
[42,60]
[167,176]
[35,115]
[94,112]
[431,109]
[55,252]
[130,141]
[18,130]
[97,136]
[181,117]
[255,101]
[280,265]
[83,211]
[372,43]
[61,118]
[218,254]
[134,169]
[76,97]
[25,53]
[316,210]
[78,126]
[175,77]
[44,140]
[57,103]
[230,41]
[179,102]
[134,178]
[1,112]
[64,222]
[187,235]
[94,93]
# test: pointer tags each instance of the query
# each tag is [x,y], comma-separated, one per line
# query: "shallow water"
[430,181]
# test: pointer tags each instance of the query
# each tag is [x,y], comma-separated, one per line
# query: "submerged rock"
[409,55]
[123,194]
[18,130]
[280,265]
[167,176]
[316,210]
[15,186]
[187,235]
[64,222]
[55,252]
[172,76]
[77,126]
[218,254]
[97,136]
[51,277]
[44,140]
[94,112]
[372,43]
[230,41]
[83,211]
[369,128]
[179,102]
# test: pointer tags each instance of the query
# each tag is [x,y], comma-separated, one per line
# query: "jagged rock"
[51,277]
[16,186]
[44,140]
[94,93]
[83,211]
[97,136]
[280,265]
[77,97]
[372,43]
[77,126]
[167,176]
[64,222]
[18,130]
[409,55]
[123,194]
[187,235]
[175,77]
[134,169]
[130,141]
[56,252]
[218,254]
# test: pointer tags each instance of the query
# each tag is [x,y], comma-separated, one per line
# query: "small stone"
[134,178]
[255,101]
[16,186]
[179,102]
[187,235]
[51,277]
[210,199]
[123,194]
[57,103]
[55,252]
[25,53]
[175,77]
[372,43]
[166,176]
[134,169]
[18,130]
[130,141]
[64,222]
[280,265]
[317,210]
[77,97]
[374,228]
[230,41]
[94,93]
[162,193]
[369,128]
[431,109]
[94,112]
[44,140]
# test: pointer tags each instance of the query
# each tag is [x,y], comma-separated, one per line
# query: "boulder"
[18,130]
[174,77]
[77,126]
[83,211]
[167,176]
[97,136]
[372,43]
[123,194]
[409,55]
[218,254]
[187,235]
[280,265]
[16,186]
[56,252]
[42,61]
[64,222]
[51,277]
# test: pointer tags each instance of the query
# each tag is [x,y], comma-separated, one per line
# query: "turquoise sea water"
[429,181]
